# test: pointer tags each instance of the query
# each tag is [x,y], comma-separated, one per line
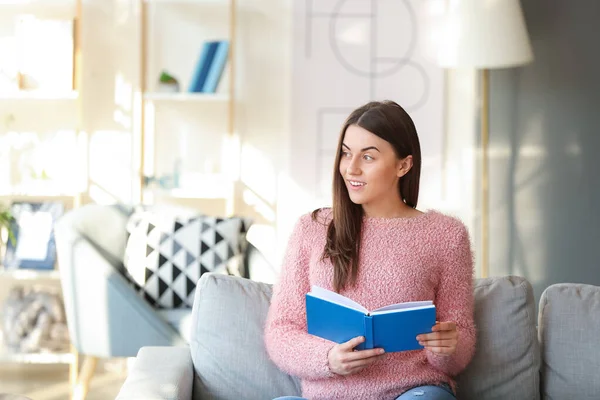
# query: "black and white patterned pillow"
[166,255]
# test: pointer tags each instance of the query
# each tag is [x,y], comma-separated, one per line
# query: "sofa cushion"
[227,344]
[569,326]
[506,361]
[166,255]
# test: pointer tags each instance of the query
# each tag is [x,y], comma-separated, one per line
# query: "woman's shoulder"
[317,220]
[446,225]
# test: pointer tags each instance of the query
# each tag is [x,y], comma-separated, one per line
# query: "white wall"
[275,165]
[263,123]
[268,189]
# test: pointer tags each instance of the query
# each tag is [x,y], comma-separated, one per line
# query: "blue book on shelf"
[216,68]
[394,328]
[203,67]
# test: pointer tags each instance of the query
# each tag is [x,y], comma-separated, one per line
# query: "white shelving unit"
[26,111]
[50,9]
[191,2]
[219,107]
[28,274]
[24,96]
[186,97]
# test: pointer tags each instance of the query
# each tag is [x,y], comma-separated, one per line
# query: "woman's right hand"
[343,360]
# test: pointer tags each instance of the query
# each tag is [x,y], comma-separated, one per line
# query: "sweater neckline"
[386,220]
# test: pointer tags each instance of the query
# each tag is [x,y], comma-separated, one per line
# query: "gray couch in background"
[105,315]
[226,358]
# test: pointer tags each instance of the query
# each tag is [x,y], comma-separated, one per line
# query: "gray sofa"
[514,359]
[105,315]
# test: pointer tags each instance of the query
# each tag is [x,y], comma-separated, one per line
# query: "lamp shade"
[484,34]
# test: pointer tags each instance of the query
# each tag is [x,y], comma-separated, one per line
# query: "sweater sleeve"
[288,344]
[454,303]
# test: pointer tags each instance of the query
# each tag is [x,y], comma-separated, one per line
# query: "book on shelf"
[394,327]
[210,66]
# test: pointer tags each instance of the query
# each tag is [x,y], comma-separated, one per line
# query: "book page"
[336,298]
[399,310]
[400,306]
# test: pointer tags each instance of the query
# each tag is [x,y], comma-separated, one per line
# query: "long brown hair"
[392,123]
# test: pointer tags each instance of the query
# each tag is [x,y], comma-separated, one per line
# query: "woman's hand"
[442,340]
[343,360]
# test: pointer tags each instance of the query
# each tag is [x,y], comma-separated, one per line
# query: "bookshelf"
[29,274]
[186,97]
[56,105]
[26,111]
[33,97]
[192,2]
[203,117]
[47,9]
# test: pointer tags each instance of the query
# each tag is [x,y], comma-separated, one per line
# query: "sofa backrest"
[104,226]
[227,348]
[507,358]
[569,332]
[231,362]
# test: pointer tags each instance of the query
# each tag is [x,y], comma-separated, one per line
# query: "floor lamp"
[484,35]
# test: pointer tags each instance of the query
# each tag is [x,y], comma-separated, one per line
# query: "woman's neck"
[394,210]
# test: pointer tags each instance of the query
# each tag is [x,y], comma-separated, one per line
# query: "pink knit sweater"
[427,257]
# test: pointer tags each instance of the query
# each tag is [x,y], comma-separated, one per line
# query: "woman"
[374,247]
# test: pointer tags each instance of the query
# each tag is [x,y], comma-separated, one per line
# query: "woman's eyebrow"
[363,150]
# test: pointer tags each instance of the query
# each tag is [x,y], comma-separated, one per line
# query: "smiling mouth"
[356,183]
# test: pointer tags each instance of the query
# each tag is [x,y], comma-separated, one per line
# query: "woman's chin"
[360,200]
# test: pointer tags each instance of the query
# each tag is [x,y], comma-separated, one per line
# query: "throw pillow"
[166,255]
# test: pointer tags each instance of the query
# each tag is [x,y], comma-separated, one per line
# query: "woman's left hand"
[442,339]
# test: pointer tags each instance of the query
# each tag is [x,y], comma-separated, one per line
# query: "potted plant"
[167,83]
[6,233]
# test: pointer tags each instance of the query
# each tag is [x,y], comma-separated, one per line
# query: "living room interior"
[128,126]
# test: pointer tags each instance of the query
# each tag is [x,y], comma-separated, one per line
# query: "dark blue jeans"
[430,392]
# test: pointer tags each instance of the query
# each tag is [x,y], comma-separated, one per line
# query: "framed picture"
[33,228]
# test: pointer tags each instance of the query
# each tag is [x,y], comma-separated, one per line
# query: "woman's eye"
[368,157]
[345,154]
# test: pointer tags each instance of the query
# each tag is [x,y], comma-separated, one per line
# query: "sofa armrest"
[159,373]
[101,305]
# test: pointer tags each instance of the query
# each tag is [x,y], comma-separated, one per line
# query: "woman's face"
[370,167]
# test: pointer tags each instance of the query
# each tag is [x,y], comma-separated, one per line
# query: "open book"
[394,327]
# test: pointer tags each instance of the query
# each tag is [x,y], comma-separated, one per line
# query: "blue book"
[394,328]
[203,67]
[216,68]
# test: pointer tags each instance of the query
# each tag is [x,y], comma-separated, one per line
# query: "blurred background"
[233,108]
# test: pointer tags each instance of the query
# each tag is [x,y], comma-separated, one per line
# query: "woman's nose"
[353,167]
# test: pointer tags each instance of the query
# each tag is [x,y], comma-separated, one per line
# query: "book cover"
[394,328]
[216,68]
[203,67]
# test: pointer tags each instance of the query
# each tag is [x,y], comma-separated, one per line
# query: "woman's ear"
[403,166]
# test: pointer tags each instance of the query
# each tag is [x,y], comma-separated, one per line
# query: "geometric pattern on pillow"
[166,255]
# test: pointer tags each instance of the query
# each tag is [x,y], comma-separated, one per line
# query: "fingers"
[363,362]
[440,331]
[352,343]
[352,367]
[442,340]
[443,335]
[444,326]
[438,343]
[344,360]
[362,354]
